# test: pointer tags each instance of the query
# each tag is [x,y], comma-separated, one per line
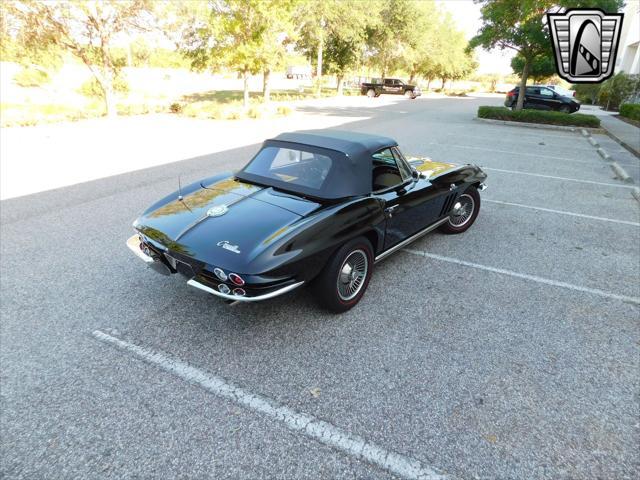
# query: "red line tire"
[345,278]
[469,203]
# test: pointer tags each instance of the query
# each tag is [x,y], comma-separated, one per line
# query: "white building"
[628,60]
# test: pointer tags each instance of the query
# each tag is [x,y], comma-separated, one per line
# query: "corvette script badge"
[228,246]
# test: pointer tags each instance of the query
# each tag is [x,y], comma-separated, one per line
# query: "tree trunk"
[444,80]
[319,63]
[266,86]
[339,78]
[428,83]
[110,102]
[245,78]
[523,84]
[108,94]
[412,77]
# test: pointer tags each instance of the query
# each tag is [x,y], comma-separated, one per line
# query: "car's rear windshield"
[308,170]
[292,166]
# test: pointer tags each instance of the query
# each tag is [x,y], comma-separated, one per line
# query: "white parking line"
[562,212]
[519,154]
[323,432]
[534,278]
[556,178]
[531,144]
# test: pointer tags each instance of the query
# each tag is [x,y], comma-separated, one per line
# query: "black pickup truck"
[391,86]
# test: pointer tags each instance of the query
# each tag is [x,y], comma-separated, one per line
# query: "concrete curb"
[593,141]
[620,172]
[603,154]
[636,193]
[537,125]
[628,147]
[584,132]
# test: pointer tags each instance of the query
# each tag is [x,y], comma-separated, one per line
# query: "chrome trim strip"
[482,187]
[134,245]
[412,238]
[237,298]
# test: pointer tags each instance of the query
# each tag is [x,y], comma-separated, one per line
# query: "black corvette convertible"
[317,207]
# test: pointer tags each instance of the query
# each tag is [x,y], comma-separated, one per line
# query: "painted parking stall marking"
[525,276]
[319,430]
[566,179]
[562,212]
[484,149]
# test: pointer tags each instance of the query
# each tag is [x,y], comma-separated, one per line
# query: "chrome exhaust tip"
[482,187]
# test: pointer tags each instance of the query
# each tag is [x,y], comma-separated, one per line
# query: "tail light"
[511,94]
[236,279]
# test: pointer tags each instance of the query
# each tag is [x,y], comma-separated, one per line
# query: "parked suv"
[559,90]
[542,98]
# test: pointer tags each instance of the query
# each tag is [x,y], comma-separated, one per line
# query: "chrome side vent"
[448,204]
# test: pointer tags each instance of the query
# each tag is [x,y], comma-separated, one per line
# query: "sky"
[467,16]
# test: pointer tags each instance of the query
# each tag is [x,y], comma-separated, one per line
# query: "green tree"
[273,49]
[541,68]
[85,29]
[391,38]
[338,47]
[245,35]
[520,25]
[423,44]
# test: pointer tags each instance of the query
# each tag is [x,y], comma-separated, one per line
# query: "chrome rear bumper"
[239,298]
[134,245]
[155,264]
[159,266]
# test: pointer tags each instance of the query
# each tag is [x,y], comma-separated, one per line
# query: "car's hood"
[428,167]
[224,222]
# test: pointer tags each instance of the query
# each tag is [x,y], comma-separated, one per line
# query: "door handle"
[389,210]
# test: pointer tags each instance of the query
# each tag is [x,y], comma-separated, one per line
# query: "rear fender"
[305,250]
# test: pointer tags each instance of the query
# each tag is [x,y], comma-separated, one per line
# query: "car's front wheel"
[408,94]
[371,93]
[464,212]
[342,283]
[565,109]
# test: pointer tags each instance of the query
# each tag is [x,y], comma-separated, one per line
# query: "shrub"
[539,116]
[92,89]
[254,112]
[176,107]
[630,110]
[284,110]
[615,90]
[31,77]
[233,115]
[587,93]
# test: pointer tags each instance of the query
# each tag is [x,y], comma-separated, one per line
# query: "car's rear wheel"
[463,213]
[565,109]
[371,93]
[342,283]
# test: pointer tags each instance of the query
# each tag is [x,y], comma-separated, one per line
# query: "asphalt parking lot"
[507,352]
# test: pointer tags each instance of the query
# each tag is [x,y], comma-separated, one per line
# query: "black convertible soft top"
[359,146]
[350,172]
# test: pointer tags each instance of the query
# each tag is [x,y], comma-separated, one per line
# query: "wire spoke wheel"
[462,211]
[352,275]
